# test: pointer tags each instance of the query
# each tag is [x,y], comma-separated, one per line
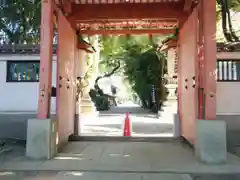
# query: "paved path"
[122,157]
[144,122]
[69,175]
[14,124]
[114,161]
[117,161]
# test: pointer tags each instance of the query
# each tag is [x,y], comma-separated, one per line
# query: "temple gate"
[196,51]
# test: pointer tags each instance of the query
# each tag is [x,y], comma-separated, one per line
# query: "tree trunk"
[227,35]
[233,34]
[96,86]
[144,104]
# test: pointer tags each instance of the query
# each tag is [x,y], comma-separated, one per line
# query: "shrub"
[102,103]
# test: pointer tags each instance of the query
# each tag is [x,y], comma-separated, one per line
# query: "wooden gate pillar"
[187,52]
[208,9]
[211,144]
[46,54]
[41,134]
[66,89]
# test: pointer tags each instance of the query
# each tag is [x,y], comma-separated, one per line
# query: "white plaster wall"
[228,55]
[21,96]
[24,96]
[228,98]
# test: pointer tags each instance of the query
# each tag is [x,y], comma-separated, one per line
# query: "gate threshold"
[123,138]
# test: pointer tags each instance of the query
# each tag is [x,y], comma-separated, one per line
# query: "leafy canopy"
[20,21]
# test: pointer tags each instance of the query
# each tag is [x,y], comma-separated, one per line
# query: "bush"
[144,69]
[102,103]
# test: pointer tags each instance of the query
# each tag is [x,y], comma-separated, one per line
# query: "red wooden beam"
[67,6]
[129,20]
[188,5]
[128,31]
[168,45]
[84,47]
[126,24]
[64,5]
[122,27]
[128,11]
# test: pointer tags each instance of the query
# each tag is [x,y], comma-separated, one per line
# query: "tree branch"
[96,86]
[227,35]
[233,34]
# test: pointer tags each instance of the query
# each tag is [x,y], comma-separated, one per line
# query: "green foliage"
[141,65]
[233,4]
[20,20]
[144,69]
[111,51]
[114,48]
[171,36]
[102,103]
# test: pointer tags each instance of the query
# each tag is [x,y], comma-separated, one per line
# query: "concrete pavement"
[113,126]
[168,160]
[14,124]
[76,175]
[144,122]
[108,123]
[122,157]
[117,161]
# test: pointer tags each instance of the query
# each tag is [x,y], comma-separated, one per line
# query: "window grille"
[228,70]
[23,71]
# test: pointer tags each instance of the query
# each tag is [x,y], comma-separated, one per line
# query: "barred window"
[2,2]
[228,70]
[23,71]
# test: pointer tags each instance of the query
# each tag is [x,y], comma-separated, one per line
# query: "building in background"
[19,80]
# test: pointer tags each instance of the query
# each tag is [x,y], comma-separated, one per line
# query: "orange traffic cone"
[127,127]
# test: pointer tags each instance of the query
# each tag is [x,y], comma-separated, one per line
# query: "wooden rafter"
[128,31]
[88,16]
[128,24]
[188,5]
[65,6]
[127,10]
[170,44]
[77,11]
[85,47]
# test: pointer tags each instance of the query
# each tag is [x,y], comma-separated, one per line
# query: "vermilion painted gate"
[65,78]
[72,16]
[187,74]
